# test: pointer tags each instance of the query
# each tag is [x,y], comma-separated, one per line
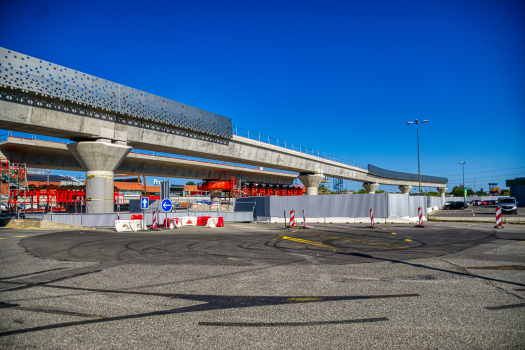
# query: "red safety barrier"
[154,225]
[292,218]
[498,218]
[136,217]
[220,222]
[202,220]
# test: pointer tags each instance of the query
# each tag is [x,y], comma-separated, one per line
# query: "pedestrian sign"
[144,202]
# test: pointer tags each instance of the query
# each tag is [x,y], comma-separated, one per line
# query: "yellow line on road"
[310,242]
[20,236]
[354,240]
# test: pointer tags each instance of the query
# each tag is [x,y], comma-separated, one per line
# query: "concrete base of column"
[311,182]
[370,187]
[216,196]
[405,189]
[100,159]
[442,191]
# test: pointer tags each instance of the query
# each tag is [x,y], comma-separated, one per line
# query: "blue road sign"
[166,205]
[144,202]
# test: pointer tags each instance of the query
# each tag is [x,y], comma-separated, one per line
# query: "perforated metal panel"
[404,176]
[29,73]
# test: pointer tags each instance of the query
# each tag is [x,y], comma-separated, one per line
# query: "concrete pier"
[442,191]
[99,159]
[216,196]
[311,182]
[370,187]
[405,189]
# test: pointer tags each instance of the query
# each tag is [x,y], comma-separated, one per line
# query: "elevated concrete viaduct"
[107,120]
[55,155]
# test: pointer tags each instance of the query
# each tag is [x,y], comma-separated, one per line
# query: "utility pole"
[464,193]
[417,122]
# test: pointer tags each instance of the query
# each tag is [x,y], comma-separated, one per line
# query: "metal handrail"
[281,143]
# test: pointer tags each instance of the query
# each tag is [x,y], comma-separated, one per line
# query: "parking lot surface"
[258,286]
[487,212]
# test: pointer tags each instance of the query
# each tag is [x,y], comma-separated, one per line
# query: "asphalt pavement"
[259,286]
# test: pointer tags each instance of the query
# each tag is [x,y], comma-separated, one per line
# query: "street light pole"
[464,194]
[417,122]
[475,186]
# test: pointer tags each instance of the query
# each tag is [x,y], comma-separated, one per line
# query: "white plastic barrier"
[127,225]
[189,221]
[174,223]
[212,222]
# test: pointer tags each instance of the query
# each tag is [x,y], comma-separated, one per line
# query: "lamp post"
[417,122]
[474,185]
[464,194]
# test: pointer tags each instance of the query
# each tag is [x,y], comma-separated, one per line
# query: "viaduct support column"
[405,189]
[442,191]
[100,159]
[311,182]
[370,187]
[216,196]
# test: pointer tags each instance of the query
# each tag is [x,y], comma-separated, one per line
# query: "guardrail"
[257,136]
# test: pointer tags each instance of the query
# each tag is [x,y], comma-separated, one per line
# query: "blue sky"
[343,77]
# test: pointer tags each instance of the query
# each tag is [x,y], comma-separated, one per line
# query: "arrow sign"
[144,202]
[166,205]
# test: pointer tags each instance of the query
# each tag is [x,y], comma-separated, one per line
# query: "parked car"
[493,202]
[485,202]
[454,205]
[477,202]
[508,205]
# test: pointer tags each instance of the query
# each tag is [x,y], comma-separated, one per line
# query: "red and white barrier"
[292,218]
[154,225]
[498,218]
[420,214]
[372,217]
[304,220]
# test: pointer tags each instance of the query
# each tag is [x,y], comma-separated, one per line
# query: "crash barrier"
[127,225]
[172,223]
[189,221]
[108,220]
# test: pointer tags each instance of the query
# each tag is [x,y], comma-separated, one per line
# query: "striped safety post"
[498,218]
[420,214]
[292,218]
[372,217]
[154,225]
[304,220]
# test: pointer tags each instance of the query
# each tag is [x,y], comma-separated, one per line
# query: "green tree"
[458,191]
[361,191]
[190,183]
[505,192]
[432,194]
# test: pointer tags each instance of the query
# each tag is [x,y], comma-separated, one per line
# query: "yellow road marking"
[354,240]
[394,233]
[20,236]
[310,242]
[2,237]
[408,240]
[276,238]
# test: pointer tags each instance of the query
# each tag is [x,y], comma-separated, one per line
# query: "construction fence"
[337,206]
